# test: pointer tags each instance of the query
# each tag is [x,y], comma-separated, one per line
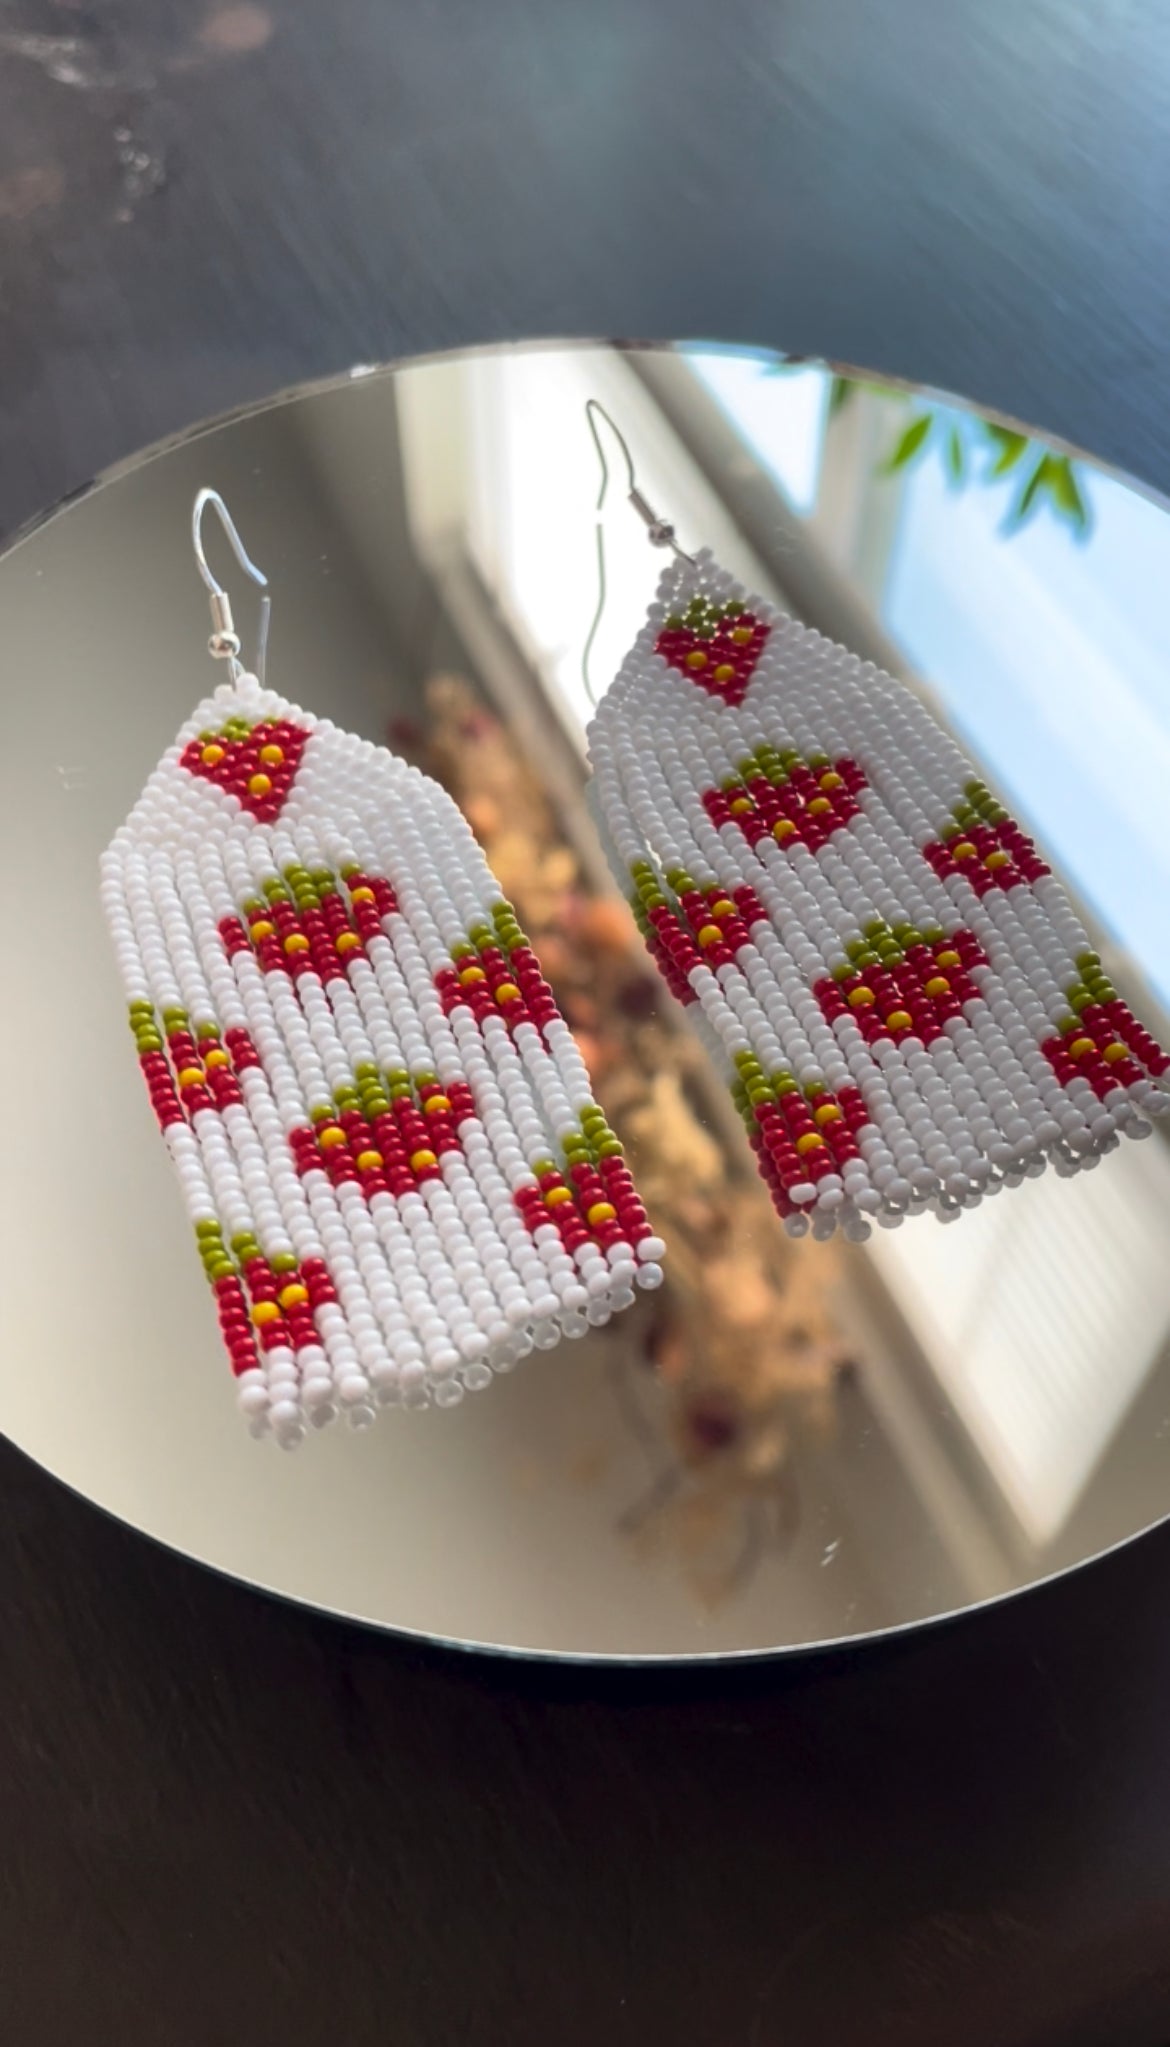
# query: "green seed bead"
[283,1262]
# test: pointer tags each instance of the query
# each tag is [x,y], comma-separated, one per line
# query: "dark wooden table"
[221,1820]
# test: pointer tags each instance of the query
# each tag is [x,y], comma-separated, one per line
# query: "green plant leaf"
[1010,445]
[956,456]
[840,391]
[1067,494]
[909,444]
[1035,485]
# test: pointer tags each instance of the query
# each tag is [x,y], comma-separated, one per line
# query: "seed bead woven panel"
[383,1130]
[905,1006]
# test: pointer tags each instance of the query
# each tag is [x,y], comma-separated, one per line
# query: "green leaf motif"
[909,444]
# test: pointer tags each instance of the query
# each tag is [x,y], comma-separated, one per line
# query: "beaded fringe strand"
[382,1127]
[906,1007]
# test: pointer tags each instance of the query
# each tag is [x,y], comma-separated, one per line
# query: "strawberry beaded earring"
[385,1136]
[902,1000]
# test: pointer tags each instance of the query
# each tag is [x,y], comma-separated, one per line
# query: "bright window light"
[1050,656]
[532,509]
[1041,1313]
[779,411]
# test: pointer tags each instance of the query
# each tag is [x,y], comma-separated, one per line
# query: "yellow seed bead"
[272,755]
[265,1311]
[724,672]
[997,859]
[741,806]
[211,754]
[191,1076]
[362,895]
[601,1212]
[827,1113]
[723,908]
[783,828]
[216,1058]
[296,942]
[710,935]
[470,975]
[938,985]
[259,785]
[818,806]
[261,929]
[368,1161]
[420,1160]
[832,780]
[861,998]
[436,1105]
[294,1296]
[347,941]
[741,634]
[949,959]
[696,658]
[963,850]
[557,1196]
[1081,1047]
[331,1137]
[1114,1052]
[899,1020]
[809,1142]
[507,992]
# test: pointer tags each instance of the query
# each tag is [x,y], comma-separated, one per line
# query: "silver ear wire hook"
[224,644]
[659,532]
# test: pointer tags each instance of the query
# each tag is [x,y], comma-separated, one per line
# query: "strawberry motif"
[715,645]
[257,763]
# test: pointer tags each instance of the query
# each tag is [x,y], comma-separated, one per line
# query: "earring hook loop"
[224,644]
[659,532]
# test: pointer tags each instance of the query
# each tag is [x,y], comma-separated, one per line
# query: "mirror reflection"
[790,1442]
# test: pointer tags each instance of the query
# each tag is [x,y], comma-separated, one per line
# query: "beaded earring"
[383,1130]
[902,1000]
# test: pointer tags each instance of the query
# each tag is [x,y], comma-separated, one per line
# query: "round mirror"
[789,1443]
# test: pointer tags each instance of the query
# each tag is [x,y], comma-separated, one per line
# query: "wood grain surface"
[223,1820]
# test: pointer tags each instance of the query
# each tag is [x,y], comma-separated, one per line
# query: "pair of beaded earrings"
[904,1004]
[386,1140]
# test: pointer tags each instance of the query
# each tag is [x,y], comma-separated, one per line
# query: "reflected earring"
[896,988]
[384,1132]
